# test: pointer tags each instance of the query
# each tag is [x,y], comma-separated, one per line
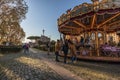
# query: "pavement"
[35,65]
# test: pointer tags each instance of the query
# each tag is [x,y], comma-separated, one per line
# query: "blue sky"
[43,14]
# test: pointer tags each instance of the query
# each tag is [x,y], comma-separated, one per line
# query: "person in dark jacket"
[48,48]
[26,48]
[65,50]
[57,49]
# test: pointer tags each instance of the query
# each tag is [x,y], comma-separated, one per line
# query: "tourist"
[48,48]
[118,44]
[72,50]
[65,50]
[26,48]
[57,49]
[82,41]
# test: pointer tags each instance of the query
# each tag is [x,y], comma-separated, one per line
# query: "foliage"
[12,12]
[52,42]
[5,49]
[41,42]
[44,48]
[33,37]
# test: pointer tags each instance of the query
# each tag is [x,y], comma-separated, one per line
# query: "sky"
[43,14]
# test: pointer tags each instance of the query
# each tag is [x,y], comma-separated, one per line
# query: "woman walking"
[72,50]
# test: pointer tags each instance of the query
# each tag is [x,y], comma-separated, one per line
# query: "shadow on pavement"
[22,66]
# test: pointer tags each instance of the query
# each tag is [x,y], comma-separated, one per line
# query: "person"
[57,49]
[65,50]
[118,44]
[26,48]
[82,41]
[48,48]
[76,43]
[72,50]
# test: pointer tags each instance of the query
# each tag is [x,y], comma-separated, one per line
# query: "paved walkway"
[33,66]
[66,74]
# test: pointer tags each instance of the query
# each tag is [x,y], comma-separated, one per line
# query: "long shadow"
[97,66]
[104,67]
[92,64]
[111,69]
[24,71]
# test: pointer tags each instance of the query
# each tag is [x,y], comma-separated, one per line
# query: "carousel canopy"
[100,15]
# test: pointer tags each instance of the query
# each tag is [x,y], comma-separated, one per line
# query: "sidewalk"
[37,65]
[32,66]
[83,69]
[64,73]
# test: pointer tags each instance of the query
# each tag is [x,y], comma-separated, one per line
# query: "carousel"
[99,22]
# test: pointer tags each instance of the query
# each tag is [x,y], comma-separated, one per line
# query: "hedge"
[5,49]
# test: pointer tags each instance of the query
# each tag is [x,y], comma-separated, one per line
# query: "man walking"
[57,49]
[65,50]
[48,48]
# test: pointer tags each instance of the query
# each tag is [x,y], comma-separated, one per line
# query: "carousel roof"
[104,16]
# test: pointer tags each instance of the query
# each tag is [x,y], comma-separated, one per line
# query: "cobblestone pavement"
[20,66]
[37,65]
[89,70]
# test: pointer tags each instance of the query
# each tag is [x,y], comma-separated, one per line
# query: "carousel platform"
[105,59]
[97,58]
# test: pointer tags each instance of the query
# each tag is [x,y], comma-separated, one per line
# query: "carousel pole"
[105,35]
[97,43]
[96,8]
[90,33]
[61,37]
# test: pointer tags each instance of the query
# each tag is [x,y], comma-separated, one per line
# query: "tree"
[33,37]
[52,42]
[36,38]
[12,12]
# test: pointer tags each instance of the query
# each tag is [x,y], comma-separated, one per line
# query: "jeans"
[26,51]
[65,58]
[57,54]
[73,58]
